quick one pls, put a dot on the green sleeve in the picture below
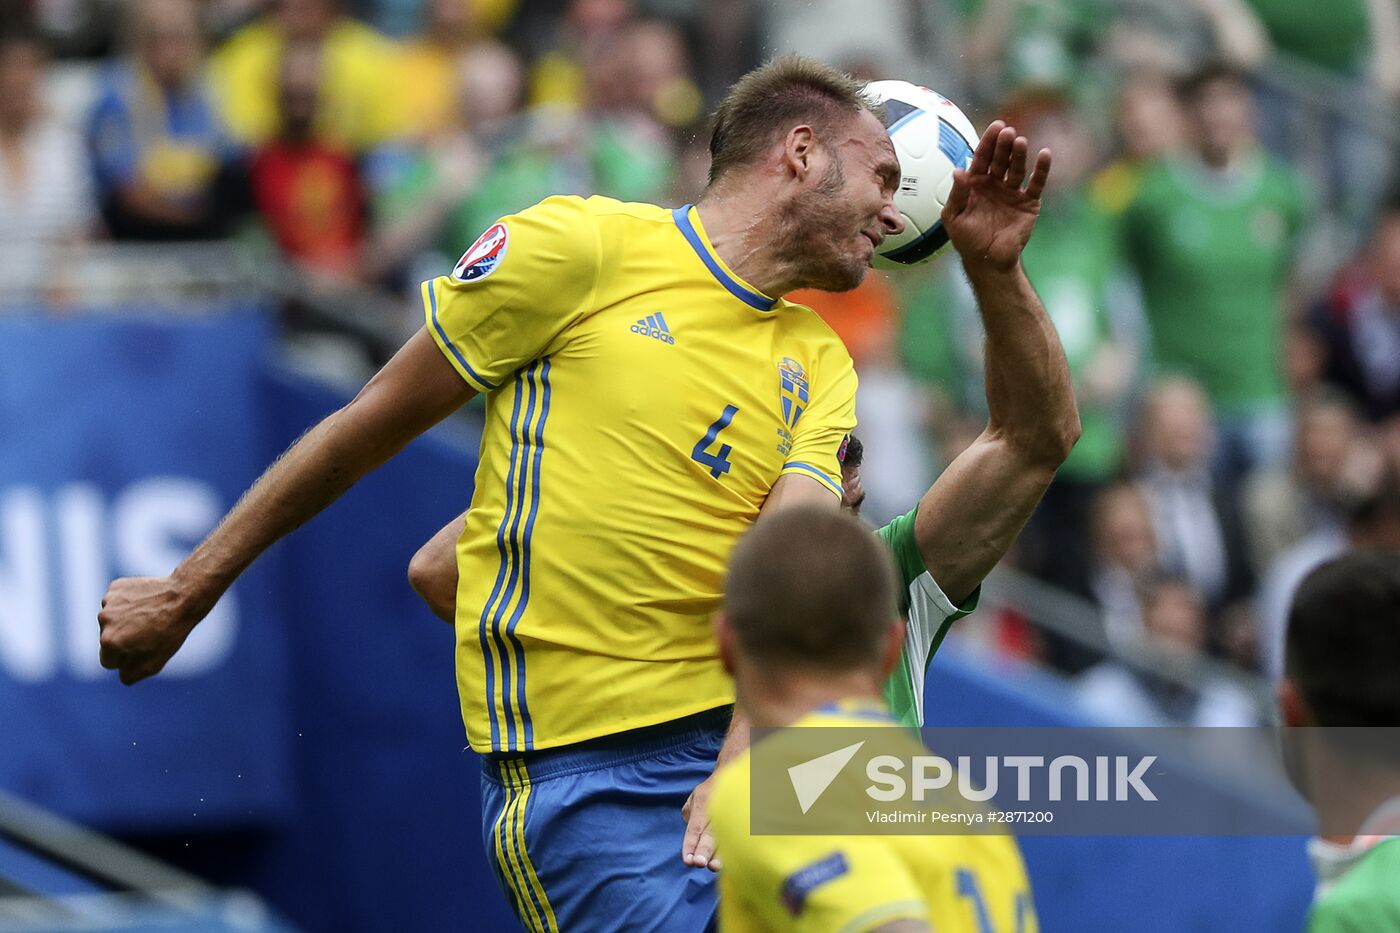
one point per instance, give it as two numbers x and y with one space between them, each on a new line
898 536
929 621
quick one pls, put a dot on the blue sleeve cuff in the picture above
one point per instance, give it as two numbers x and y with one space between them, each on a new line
823 478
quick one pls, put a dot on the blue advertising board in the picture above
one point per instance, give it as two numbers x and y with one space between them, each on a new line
122 442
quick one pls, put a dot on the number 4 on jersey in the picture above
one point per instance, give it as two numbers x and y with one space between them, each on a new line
717 462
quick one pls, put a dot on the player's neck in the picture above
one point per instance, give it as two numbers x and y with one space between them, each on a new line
1349 813
782 700
1349 795
737 229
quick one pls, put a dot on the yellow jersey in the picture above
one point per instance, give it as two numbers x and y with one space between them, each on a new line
641 401
825 884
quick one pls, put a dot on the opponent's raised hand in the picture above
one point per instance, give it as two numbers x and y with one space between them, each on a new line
993 206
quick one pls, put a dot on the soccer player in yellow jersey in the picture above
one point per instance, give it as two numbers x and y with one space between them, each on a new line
815 649
945 545
649 397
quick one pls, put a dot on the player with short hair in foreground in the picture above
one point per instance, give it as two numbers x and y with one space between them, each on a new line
813 650
1342 670
649 397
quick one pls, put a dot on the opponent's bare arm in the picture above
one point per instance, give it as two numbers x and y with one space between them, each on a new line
973 513
144 620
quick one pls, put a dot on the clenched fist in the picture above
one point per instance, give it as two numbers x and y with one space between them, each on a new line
144 621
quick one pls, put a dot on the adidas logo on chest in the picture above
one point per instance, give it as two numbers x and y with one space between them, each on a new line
655 327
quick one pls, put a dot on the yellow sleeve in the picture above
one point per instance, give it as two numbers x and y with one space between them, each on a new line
807 884
828 419
820 884
515 290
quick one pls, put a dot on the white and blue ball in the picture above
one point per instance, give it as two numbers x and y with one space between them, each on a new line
932 137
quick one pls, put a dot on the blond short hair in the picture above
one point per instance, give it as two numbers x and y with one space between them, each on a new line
771 99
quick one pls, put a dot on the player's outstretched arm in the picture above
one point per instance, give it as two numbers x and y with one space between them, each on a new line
973 513
433 570
145 620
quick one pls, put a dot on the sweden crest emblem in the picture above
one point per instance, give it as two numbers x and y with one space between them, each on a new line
793 390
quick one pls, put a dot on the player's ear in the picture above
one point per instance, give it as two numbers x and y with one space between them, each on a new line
724 637
894 645
1292 708
798 150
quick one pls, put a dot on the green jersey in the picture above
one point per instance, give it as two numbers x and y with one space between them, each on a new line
1366 897
1212 251
929 613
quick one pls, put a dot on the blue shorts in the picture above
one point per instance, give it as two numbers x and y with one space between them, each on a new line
588 837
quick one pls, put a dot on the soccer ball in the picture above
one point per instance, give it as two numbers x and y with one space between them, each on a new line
932 137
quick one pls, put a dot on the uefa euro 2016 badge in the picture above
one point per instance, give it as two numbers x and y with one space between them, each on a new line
484 255
793 390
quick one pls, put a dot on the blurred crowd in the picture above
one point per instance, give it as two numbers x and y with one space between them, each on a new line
1219 249
361 158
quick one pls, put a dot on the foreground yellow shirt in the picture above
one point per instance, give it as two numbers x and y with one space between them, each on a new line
641 403
825 884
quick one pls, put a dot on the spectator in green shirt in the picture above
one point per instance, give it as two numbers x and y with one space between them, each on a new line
1212 233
